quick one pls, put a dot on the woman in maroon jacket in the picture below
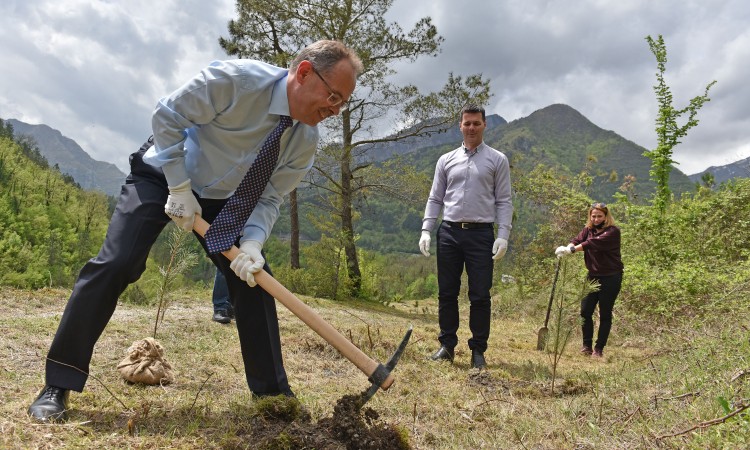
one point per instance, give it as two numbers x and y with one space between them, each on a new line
600 242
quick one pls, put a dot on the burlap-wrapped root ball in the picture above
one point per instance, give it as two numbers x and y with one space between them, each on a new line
145 363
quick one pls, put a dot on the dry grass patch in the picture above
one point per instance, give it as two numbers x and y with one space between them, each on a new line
596 404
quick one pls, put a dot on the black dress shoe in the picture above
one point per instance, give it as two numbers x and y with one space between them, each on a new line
443 354
51 405
221 316
477 360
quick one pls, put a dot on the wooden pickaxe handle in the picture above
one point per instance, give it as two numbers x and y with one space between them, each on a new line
306 314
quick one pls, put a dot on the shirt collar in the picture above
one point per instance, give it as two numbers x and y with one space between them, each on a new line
471 152
279 99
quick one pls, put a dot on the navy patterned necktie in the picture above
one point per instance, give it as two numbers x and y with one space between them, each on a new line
231 219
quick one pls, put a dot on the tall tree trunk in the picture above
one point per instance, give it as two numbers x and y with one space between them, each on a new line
259 32
347 226
293 231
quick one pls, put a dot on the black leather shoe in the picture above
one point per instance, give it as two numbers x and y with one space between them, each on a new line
51 405
477 360
443 354
221 316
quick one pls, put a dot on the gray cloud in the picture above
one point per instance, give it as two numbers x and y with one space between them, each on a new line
593 56
95 69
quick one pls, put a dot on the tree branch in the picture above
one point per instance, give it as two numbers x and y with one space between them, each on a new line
707 423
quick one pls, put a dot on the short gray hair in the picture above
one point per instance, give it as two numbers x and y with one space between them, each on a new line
323 55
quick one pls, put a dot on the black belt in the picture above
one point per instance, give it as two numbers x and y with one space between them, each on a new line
468 225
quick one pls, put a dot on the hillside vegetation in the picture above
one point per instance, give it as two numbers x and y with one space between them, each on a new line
50 226
556 137
675 373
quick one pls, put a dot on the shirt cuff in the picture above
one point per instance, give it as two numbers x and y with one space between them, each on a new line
175 173
428 224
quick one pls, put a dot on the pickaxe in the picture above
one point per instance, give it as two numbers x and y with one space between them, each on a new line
381 376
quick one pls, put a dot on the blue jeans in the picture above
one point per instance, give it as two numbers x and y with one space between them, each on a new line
220 296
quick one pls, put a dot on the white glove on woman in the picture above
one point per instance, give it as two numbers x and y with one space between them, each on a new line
182 205
499 248
424 243
563 251
248 262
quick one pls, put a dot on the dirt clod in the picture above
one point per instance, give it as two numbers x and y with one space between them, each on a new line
351 427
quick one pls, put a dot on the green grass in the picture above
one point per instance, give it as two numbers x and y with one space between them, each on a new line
655 380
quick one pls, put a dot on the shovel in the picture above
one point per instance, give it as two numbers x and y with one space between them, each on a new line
380 375
541 338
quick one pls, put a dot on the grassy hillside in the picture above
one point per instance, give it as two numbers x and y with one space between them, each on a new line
675 373
654 382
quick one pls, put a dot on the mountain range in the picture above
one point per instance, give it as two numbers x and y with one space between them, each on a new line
71 158
737 169
561 137
557 136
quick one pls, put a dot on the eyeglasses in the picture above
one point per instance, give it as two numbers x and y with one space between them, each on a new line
334 99
599 205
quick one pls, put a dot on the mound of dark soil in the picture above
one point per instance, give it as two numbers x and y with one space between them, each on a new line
282 423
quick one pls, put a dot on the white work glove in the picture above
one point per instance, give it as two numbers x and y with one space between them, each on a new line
499 248
248 262
424 243
563 251
182 205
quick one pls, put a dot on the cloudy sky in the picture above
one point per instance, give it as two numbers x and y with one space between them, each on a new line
94 69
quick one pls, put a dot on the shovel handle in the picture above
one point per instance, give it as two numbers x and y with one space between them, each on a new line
552 294
306 314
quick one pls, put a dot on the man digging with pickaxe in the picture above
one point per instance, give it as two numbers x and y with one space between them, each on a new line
226 147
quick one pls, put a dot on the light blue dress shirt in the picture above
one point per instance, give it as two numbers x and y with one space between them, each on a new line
471 187
211 129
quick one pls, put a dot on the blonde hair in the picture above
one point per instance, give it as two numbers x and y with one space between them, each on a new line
608 219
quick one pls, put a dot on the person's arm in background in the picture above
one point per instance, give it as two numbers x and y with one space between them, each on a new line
433 207
503 209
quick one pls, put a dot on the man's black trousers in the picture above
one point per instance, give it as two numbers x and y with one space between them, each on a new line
470 248
136 223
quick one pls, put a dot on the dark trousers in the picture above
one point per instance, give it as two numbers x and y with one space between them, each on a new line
605 298
470 248
136 223
220 293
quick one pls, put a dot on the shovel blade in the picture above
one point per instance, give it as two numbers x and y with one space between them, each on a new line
541 338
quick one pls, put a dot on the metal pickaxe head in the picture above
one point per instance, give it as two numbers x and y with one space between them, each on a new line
382 373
